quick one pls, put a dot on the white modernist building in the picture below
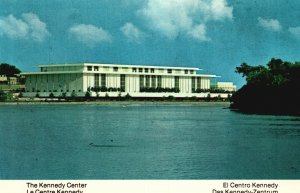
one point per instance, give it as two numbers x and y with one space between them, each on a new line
117 80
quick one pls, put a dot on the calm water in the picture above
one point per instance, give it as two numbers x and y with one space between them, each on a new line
145 142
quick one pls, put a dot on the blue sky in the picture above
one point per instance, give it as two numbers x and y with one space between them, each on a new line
214 35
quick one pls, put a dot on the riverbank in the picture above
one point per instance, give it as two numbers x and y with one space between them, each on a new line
203 103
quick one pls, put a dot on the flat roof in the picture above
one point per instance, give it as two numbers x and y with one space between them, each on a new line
78 72
120 65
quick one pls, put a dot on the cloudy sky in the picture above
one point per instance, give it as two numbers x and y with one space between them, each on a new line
214 35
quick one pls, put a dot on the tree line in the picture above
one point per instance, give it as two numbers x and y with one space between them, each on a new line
270 89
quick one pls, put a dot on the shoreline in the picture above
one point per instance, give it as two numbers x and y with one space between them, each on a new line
198 103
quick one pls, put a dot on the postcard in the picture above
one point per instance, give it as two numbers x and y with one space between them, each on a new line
149 96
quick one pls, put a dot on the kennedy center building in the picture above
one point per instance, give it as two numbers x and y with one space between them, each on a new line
116 80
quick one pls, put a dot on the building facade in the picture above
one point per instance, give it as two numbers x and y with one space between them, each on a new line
3 79
117 80
10 80
225 86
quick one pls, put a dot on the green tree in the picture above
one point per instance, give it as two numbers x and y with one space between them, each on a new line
246 69
87 94
8 70
273 88
127 96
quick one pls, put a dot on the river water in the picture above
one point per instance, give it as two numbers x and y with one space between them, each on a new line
146 142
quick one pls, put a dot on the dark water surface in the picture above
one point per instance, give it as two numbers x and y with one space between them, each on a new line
145 142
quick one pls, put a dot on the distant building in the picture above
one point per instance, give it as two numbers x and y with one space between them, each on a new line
12 80
3 79
12 84
226 86
117 80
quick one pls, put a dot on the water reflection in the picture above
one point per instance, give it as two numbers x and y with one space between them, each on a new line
145 142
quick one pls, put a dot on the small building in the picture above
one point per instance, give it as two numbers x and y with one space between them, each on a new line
12 80
117 80
3 79
225 86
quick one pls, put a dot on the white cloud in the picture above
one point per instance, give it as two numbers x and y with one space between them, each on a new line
38 29
269 24
199 33
132 33
30 27
295 31
89 34
220 9
189 17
